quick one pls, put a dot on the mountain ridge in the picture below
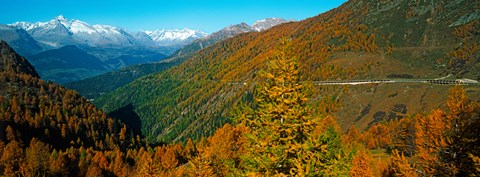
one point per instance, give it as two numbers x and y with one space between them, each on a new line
20 40
268 23
13 62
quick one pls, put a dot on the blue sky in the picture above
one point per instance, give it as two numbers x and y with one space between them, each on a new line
206 15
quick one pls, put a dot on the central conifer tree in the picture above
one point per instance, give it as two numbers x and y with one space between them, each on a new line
285 139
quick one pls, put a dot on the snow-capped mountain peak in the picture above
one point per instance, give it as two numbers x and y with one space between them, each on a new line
234 30
175 36
61 19
265 24
239 28
57 22
181 34
74 26
22 25
61 31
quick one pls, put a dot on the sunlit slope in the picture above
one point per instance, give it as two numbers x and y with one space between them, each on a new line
360 39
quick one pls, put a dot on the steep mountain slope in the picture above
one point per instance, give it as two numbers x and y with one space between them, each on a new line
96 86
13 62
48 130
20 40
35 109
66 64
93 87
360 39
427 40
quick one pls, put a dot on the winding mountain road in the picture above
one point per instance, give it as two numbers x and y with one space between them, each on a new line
427 81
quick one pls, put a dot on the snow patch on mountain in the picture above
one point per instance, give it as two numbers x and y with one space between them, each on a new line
77 26
106 29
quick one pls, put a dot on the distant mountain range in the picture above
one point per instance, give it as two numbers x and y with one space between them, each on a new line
114 47
60 31
94 87
50 44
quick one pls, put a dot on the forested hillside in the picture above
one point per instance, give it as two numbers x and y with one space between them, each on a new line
360 39
66 64
48 130
94 87
197 96
13 62
248 106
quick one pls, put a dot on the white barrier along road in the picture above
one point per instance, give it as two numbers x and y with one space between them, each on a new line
378 81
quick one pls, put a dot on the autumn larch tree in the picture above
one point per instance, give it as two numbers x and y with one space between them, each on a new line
399 166
447 142
361 165
283 139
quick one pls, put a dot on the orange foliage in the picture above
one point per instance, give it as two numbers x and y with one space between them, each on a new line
221 153
169 159
361 165
440 142
430 139
399 166
352 136
378 136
